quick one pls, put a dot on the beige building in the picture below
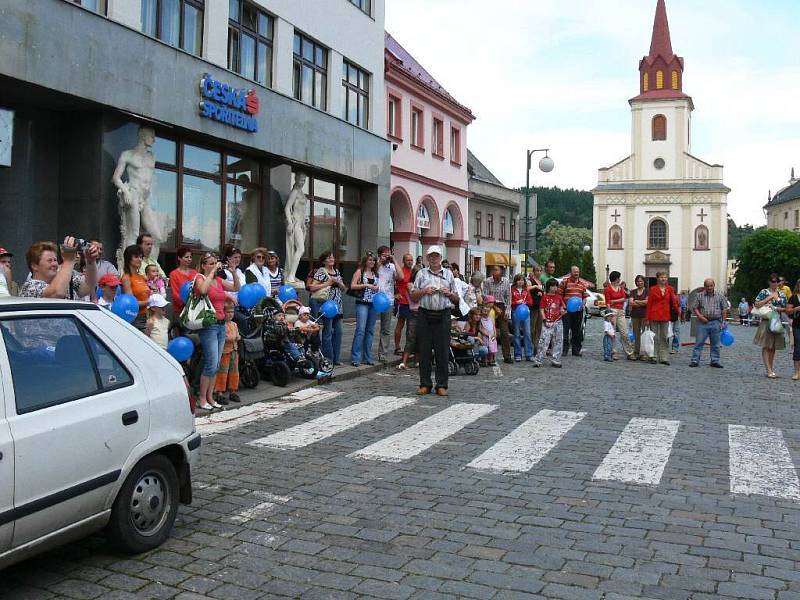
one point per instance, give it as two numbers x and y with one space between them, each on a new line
783 209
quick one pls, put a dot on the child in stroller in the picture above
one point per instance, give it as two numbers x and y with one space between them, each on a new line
463 350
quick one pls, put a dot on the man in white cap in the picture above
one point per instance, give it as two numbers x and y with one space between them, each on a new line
435 290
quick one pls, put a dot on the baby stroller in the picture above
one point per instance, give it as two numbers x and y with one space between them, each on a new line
464 353
283 355
262 355
309 345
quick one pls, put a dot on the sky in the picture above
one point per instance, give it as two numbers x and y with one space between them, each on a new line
558 75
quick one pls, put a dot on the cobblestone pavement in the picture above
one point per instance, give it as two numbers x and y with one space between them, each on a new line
630 481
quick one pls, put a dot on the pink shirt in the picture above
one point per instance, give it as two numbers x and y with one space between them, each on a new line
216 295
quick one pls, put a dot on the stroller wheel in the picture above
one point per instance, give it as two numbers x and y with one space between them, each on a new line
324 365
280 374
248 374
310 369
452 368
471 368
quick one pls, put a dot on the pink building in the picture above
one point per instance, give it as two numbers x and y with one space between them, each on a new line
429 183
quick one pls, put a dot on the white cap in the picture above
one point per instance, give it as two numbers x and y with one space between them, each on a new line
157 300
435 250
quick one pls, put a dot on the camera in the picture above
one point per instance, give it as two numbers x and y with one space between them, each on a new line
81 245
221 272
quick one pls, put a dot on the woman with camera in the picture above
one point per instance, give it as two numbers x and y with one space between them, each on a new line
49 280
209 283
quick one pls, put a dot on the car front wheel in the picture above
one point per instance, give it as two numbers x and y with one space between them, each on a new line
145 508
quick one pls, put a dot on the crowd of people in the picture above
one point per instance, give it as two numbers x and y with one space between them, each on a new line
428 298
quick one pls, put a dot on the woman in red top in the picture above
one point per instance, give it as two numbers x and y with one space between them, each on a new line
661 301
212 337
179 276
616 296
520 294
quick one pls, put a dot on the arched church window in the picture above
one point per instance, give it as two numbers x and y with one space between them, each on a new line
659 79
659 128
657 234
675 82
701 238
646 82
615 238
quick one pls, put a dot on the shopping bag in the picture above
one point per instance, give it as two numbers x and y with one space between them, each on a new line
648 343
670 332
198 313
775 325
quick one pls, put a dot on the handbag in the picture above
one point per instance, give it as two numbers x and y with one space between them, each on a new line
198 313
357 294
648 343
775 324
763 311
322 294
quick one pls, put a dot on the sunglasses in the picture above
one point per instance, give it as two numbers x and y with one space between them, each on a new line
259 256
774 281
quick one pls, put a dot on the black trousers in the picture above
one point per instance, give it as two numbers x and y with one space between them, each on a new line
433 338
573 332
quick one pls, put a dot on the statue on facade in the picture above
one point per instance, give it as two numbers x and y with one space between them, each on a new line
295 212
135 213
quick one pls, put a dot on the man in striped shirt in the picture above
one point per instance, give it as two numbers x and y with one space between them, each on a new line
573 287
435 290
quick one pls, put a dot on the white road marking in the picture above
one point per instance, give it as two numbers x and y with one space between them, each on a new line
521 449
333 423
426 433
216 423
640 453
760 463
518 380
498 372
260 510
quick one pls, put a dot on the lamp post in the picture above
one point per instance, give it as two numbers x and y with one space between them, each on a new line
546 165
511 216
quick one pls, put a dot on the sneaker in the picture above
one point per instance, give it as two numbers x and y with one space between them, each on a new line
355 364
556 365
693 364
223 401
716 365
517 359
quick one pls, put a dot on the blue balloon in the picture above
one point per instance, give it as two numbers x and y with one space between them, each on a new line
329 309
574 304
286 293
181 348
726 338
381 302
126 307
185 290
631 336
251 294
522 312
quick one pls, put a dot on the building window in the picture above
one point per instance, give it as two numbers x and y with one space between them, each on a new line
646 82
502 229
701 238
786 216
310 72
659 128
355 95
675 81
659 80
437 140
478 224
657 235
615 238
490 226
98 6
334 221
250 33
513 228
394 118
364 5
796 219
179 23
417 127
455 145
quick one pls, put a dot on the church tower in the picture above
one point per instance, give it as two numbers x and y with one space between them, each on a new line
662 209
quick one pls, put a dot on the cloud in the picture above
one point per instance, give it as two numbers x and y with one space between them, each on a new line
559 74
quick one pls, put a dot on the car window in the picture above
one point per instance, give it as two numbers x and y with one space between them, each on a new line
50 363
112 373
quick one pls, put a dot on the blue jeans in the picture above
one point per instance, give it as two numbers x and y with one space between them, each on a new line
332 337
676 335
608 347
705 331
292 349
365 331
212 339
521 330
314 306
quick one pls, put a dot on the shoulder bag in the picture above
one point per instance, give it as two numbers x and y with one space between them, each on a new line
322 294
357 294
197 313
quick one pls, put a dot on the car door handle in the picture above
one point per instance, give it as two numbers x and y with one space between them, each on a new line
129 418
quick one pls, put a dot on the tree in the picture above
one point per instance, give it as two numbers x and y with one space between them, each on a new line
736 235
763 252
565 245
570 207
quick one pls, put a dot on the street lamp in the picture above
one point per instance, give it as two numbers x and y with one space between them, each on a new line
546 165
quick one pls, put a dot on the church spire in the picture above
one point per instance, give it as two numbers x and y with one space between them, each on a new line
661 71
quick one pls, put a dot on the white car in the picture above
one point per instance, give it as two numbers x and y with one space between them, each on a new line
96 430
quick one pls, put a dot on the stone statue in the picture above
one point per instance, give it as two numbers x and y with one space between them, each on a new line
295 212
138 165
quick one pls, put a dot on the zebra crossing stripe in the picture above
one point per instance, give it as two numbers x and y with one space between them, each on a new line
521 449
760 463
640 453
421 436
328 425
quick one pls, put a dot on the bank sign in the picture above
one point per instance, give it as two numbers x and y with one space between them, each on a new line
221 102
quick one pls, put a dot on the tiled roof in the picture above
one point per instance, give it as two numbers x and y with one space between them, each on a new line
478 170
410 64
791 192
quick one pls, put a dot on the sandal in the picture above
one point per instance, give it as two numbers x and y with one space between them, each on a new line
402 366
207 407
772 375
